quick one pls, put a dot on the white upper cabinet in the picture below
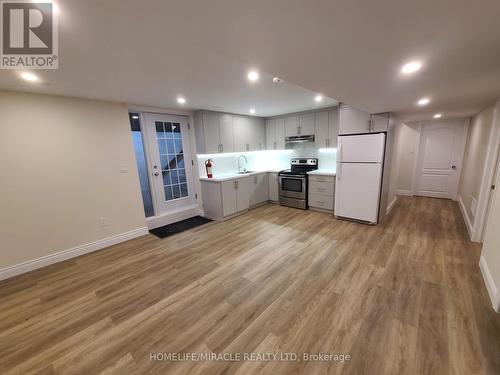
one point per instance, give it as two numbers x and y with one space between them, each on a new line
222 132
210 124
242 129
292 126
275 134
353 121
326 126
333 127
258 134
250 133
279 133
214 133
306 124
321 133
270 135
379 122
226 132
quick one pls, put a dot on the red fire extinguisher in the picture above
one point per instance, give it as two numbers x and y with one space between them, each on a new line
208 166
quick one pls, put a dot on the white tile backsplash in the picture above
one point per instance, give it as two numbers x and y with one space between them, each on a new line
227 163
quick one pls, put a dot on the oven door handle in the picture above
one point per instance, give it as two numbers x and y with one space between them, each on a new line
292 175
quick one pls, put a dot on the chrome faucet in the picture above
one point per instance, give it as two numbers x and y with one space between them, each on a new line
239 166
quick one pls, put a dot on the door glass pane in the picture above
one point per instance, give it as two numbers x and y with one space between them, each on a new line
169 137
140 159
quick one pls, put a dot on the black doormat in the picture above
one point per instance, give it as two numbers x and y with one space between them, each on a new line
180 226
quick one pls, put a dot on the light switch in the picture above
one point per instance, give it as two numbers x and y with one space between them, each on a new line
123 168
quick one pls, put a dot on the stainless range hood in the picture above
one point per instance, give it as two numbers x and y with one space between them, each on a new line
290 142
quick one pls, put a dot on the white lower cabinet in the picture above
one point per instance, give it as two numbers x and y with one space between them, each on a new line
226 198
259 189
321 192
273 186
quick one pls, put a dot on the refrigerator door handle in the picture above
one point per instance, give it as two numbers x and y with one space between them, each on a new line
339 157
339 172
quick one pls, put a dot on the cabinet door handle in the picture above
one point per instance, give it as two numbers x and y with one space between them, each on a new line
236 184
274 145
298 130
247 147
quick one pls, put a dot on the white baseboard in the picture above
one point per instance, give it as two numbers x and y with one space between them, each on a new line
47 260
391 205
404 192
468 223
490 284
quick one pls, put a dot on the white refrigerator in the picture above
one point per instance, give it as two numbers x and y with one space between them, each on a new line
360 162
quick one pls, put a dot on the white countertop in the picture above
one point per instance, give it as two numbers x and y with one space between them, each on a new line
323 172
234 175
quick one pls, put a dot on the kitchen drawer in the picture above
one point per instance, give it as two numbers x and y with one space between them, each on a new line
321 178
321 187
321 201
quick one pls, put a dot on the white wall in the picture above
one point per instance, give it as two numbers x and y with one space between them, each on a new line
60 166
406 149
490 256
473 168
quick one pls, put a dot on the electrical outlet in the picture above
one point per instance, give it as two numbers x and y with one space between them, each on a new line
103 221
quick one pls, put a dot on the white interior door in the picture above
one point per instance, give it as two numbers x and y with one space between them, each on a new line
171 170
440 156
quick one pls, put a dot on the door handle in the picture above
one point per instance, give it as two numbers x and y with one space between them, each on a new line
453 167
156 174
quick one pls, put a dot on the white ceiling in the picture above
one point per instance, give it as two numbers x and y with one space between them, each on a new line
148 52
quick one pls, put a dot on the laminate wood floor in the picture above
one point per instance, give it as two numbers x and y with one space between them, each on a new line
405 297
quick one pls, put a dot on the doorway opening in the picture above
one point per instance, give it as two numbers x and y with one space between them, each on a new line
163 156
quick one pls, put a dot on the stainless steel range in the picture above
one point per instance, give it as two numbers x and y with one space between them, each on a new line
293 182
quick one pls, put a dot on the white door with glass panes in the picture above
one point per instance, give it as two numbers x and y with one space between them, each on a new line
170 163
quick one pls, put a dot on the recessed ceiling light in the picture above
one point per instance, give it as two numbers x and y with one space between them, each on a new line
135 117
411 67
423 101
252 111
277 80
181 100
30 77
318 98
253 76
437 115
